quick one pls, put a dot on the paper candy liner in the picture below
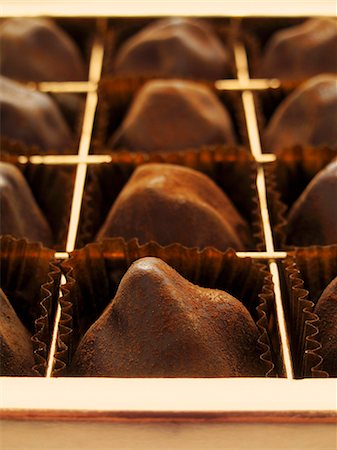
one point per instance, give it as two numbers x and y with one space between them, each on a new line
52 188
115 97
306 273
122 29
233 170
30 278
287 178
296 167
94 272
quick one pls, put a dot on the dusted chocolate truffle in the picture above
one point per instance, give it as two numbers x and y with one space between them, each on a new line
168 203
306 117
16 349
302 51
175 47
168 115
161 325
313 217
32 118
326 309
20 215
38 50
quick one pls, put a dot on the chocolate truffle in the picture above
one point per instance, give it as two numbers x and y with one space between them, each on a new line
168 203
16 349
326 309
35 49
169 115
174 47
306 117
302 51
32 118
20 215
312 219
161 325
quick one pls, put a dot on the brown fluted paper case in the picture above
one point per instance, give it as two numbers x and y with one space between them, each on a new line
30 279
94 272
234 171
307 272
287 178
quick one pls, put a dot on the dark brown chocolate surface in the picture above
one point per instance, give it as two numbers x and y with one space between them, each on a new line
326 309
174 47
169 115
313 217
16 349
161 325
20 215
301 51
168 203
32 118
306 117
36 49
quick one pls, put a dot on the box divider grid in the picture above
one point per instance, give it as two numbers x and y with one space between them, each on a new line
244 84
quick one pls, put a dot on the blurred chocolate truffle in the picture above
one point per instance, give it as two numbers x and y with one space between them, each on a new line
326 309
169 115
174 47
36 49
312 219
161 325
20 215
306 117
302 51
32 118
16 349
168 203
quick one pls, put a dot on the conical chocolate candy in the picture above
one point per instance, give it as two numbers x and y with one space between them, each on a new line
161 325
313 217
168 115
302 51
326 309
32 118
306 117
16 349
35 49
174 47
20 215
168 203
